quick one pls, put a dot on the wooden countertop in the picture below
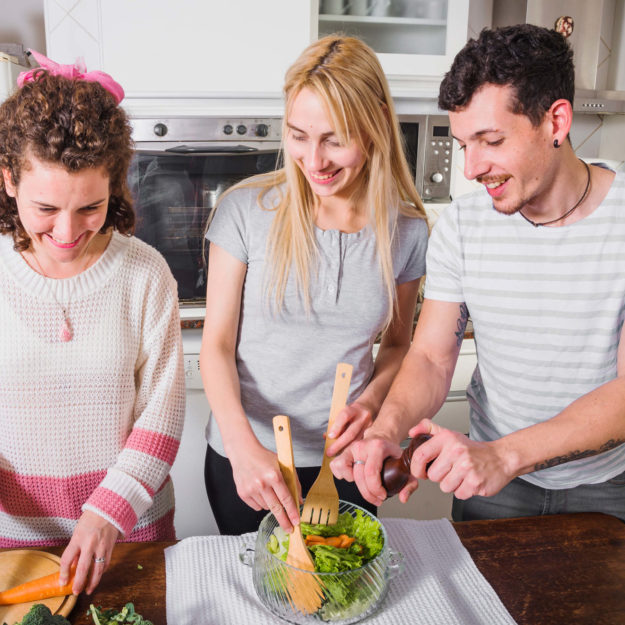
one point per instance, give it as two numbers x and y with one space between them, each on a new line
552 570
198 324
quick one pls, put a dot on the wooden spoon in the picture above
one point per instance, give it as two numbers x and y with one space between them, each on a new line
303 589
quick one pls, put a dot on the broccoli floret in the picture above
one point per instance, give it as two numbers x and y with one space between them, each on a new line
40 614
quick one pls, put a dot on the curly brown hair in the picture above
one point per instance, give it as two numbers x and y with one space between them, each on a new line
74 123
536 62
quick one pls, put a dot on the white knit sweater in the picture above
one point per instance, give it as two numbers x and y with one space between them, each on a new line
93 423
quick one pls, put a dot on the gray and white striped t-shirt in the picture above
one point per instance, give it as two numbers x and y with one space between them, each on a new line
547 306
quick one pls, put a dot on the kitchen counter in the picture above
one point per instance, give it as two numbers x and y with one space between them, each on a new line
194 324
566 568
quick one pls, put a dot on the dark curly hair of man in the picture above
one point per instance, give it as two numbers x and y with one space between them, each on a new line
72 123
535 61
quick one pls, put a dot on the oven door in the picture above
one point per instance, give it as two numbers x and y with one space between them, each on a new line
174 191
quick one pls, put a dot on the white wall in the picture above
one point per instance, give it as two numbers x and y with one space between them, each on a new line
22 22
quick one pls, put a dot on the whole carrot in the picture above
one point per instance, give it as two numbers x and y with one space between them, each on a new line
37 589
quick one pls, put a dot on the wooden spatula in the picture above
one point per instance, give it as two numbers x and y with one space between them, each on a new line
303 589
322 501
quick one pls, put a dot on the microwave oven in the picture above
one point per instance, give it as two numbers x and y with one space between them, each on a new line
182 165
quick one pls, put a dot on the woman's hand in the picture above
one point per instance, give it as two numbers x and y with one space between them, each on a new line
93 539
261 486
349 426
362 463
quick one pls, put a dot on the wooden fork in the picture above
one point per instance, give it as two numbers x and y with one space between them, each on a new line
303 589
322 501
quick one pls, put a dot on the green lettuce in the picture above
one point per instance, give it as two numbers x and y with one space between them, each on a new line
365 529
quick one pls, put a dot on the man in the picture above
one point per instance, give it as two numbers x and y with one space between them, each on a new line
537 259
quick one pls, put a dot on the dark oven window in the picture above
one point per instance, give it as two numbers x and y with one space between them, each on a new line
174 194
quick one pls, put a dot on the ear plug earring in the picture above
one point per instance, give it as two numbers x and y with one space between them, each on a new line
555 143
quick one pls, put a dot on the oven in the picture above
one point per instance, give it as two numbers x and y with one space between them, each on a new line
180 168
182 165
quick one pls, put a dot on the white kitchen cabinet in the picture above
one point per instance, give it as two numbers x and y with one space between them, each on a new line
183 49
416 40
203 49
193 515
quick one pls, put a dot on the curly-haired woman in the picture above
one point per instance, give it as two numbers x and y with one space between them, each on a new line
91 386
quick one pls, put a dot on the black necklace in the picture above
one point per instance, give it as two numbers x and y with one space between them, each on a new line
568 212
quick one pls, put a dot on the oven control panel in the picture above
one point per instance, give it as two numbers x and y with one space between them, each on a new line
206 129
437 155
259 130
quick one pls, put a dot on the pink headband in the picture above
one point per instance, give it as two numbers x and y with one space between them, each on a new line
78 71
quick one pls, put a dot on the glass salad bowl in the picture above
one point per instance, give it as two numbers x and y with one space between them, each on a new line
343 597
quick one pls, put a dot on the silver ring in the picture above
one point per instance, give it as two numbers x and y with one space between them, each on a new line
359 461
99 560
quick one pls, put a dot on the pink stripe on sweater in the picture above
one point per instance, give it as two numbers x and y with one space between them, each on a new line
115 506
40 495
161 529
154 444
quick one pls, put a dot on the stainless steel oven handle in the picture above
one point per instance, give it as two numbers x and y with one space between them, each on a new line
211 149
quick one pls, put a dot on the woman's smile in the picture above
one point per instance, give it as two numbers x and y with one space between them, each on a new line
64 244
325 177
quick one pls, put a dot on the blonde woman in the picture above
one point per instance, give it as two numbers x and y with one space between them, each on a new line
307 266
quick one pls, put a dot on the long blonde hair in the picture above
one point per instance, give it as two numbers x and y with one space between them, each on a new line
346 75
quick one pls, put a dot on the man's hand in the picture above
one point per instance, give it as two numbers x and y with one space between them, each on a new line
460 466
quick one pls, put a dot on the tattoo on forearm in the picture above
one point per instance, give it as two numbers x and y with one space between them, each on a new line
461 323
576 455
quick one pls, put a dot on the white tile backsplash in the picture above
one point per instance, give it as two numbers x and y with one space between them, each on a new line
586 135
613 138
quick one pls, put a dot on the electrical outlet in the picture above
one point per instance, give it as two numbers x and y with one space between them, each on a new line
192 376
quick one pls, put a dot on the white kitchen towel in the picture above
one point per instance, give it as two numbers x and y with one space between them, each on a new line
440 584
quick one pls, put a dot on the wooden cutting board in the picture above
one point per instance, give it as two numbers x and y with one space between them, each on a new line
21 565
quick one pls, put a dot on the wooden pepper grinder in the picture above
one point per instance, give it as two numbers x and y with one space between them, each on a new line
396 471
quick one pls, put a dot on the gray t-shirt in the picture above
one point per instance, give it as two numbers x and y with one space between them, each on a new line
286 361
